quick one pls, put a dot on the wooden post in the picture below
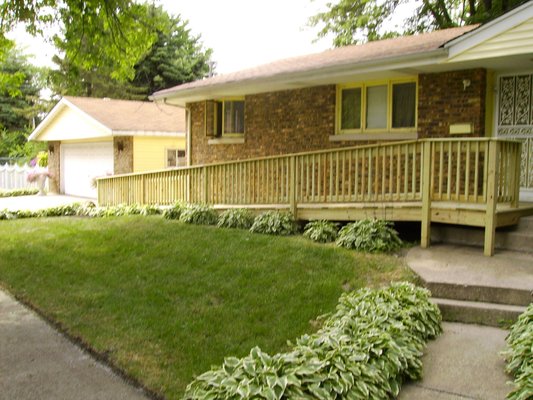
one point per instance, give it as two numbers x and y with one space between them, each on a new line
492 197
143 199
206 185
426 196
516 174
292 186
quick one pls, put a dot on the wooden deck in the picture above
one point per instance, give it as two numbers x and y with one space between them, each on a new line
458 181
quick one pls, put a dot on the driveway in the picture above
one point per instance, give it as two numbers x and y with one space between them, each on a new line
37 202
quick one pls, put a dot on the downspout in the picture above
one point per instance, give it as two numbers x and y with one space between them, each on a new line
188 135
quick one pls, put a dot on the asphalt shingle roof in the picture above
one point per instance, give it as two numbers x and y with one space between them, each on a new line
128 115
348 55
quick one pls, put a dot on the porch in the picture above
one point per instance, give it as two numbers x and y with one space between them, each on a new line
473 182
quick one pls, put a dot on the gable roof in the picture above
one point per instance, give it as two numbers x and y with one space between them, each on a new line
329 61
122 117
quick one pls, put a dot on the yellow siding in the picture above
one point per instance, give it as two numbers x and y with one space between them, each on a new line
518 40
71 125
149 153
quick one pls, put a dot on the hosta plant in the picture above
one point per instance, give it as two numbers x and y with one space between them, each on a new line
321 231
369 235
274 223
199 214
18 192
364 350
519 356
173 212
240 218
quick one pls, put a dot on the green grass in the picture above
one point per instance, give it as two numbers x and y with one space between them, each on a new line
165 300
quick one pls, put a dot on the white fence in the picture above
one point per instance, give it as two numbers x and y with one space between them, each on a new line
15 177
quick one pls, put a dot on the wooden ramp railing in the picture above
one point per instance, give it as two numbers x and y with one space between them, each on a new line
442 180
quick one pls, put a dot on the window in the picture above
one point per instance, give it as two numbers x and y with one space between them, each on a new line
351 109
380 107
376 107
229 118
176 158
403 105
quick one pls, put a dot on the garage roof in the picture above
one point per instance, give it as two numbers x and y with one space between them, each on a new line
121 117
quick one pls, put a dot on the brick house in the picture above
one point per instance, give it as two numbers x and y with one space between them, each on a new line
416 128
470 81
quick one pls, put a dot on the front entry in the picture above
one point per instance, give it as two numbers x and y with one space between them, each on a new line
515 121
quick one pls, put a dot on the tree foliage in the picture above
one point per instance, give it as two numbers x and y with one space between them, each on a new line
356 21
176 56
20 105
93 31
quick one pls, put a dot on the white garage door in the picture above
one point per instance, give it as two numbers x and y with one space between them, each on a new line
81 163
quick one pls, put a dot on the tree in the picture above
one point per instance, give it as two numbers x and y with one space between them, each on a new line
356 21
20 106
94 30
175 57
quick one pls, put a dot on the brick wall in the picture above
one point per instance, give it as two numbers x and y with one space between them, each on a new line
54 167
275 123
443 100
303 119
123 154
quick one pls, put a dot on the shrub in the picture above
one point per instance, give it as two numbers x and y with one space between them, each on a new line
274 223
173 212
519 355
18 192
363 351
321 231
199 214
370 235
240 218
150 209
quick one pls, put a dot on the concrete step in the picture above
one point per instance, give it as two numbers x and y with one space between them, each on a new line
487 294
526 223
519 238
475 312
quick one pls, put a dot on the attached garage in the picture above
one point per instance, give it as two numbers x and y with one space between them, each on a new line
90 138
81 163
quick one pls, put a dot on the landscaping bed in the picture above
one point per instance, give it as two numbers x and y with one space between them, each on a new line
164 300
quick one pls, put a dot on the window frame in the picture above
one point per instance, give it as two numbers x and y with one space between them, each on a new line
364 86
176 150
221 103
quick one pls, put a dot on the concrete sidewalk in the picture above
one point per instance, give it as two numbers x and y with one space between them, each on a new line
37 363
36 202
463 363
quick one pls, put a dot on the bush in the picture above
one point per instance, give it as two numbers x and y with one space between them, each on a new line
18 192
321 231
274 223
199 214
173 212
150 209
240 218
363 351
519 355
370 235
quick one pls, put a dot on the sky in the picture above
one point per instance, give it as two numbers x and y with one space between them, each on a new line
242 33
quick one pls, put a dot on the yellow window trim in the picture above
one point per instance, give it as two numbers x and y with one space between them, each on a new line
363 86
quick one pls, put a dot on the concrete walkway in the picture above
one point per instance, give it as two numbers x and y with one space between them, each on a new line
463 363
37 202
37 363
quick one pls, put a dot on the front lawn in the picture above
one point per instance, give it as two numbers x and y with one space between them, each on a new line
165 300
